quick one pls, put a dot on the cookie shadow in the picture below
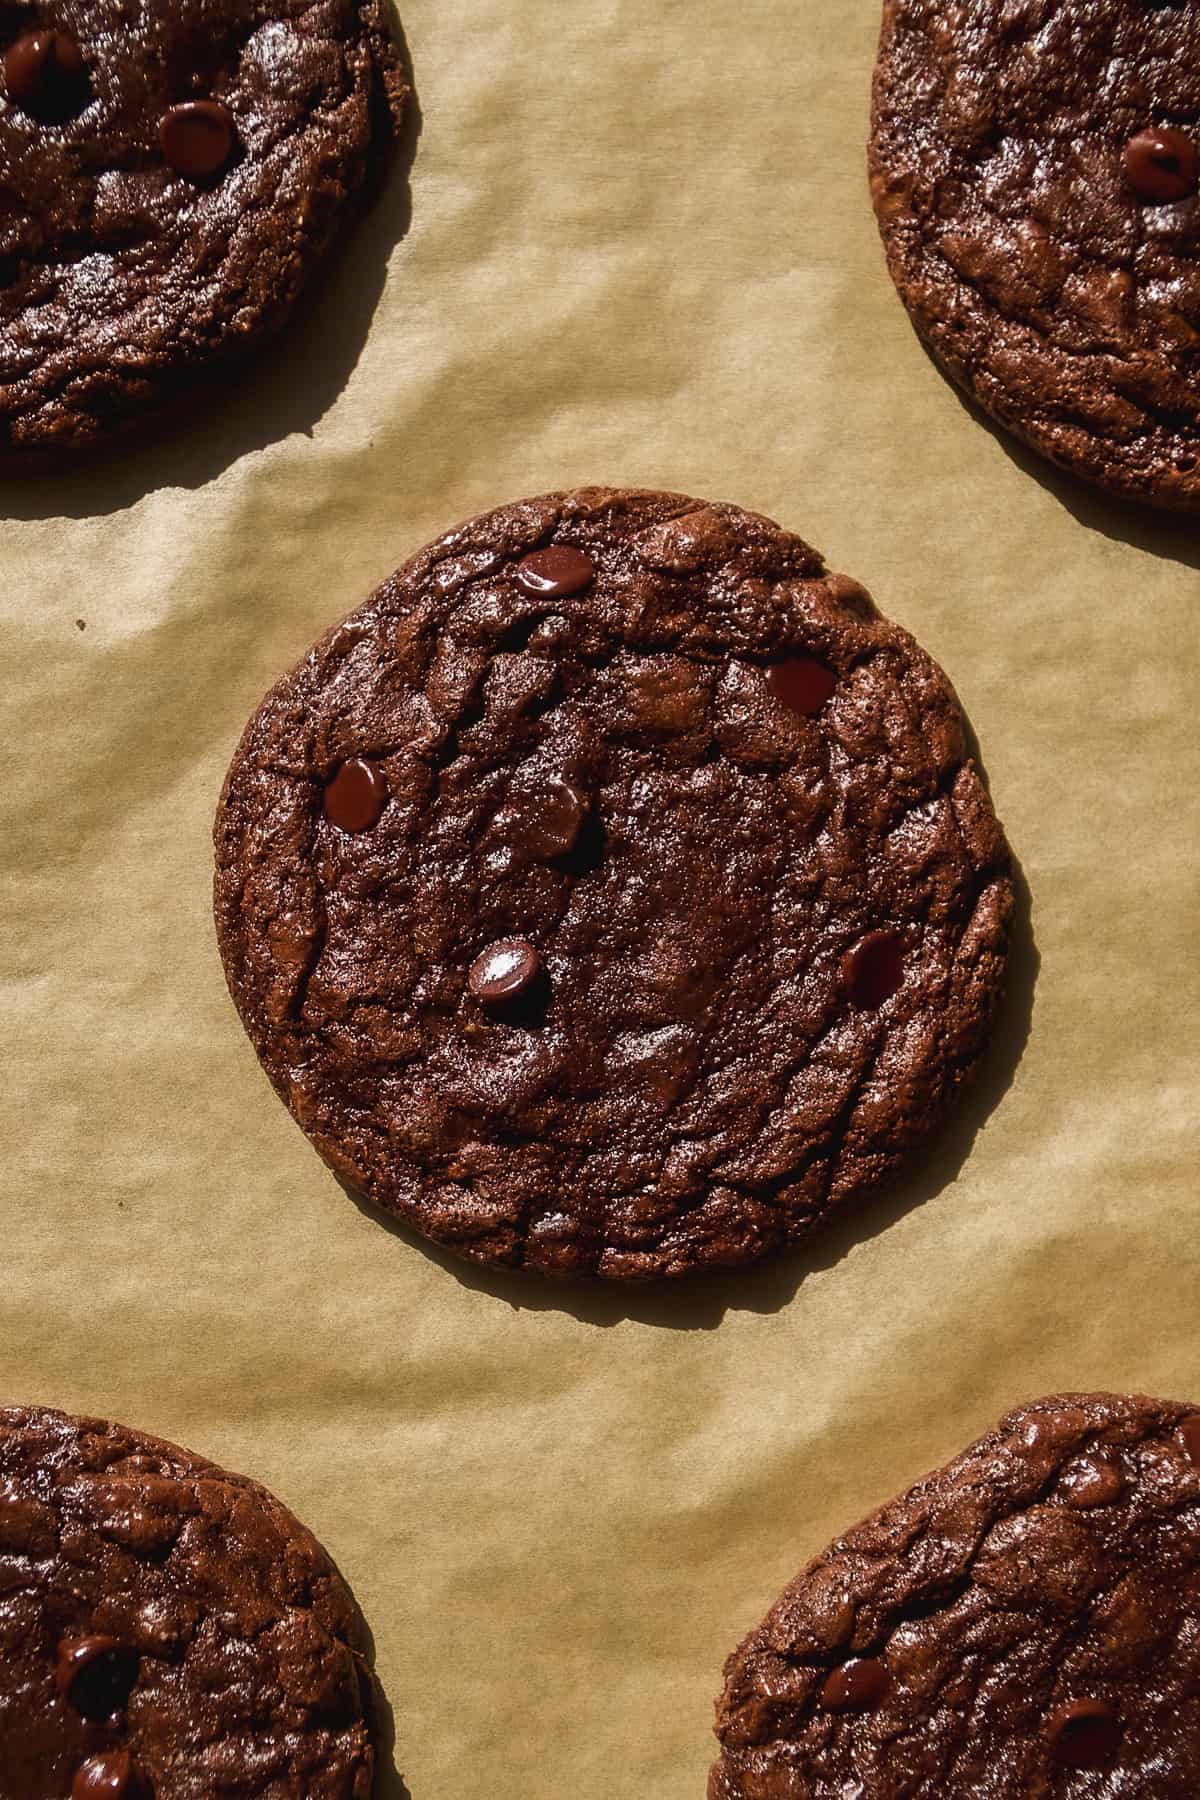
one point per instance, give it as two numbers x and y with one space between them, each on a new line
1166 534
700 1303
285 387
389 1784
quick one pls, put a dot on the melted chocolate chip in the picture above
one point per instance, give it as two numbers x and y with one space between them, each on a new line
1160 164
553 573
356 796
1086 1734
505 970
45 75
874 969
1188 1436
548 820
198 138
1096 1480
802 683
857 1686
96 1674
104 1777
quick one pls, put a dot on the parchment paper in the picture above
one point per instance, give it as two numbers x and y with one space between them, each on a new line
641 251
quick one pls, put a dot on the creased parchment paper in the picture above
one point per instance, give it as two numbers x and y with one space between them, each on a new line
640 251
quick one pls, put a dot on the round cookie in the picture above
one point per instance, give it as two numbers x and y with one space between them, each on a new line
1023 1622
170 175
1034 170
613 893
167 1629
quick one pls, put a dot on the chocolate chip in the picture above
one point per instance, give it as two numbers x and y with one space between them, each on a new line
96 1674
874 969
506 969
356 796
1160 164
1188 1436
802 684
547 821
45 75
1096 1480
104 1777
555 572
1085 1734
857 1686
198 137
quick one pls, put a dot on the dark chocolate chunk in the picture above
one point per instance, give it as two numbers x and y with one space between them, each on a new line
1160 164
555 573
108 1776
547 820
97 1675
874 969
505 969
198 138
856 1686
357 795
1085 1734
802 683
45 75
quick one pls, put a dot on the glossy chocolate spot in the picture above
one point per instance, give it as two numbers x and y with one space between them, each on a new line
505 970
198 138
802 684
1188 1437
874 969
1051 1427
1086 1734
1096 1480
96 1675
857 1686
104 1777
548 820
1160 164
45 75
356 796
553 573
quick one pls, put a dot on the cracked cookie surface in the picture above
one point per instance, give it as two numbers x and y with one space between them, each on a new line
167 1630
1034 171
1025 1621
613 893
170 174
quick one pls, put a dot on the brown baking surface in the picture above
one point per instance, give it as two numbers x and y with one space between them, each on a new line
641 251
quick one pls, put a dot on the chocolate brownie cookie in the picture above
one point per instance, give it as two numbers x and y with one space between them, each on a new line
167 1631
170 174
613 894
1023 1622
1035 172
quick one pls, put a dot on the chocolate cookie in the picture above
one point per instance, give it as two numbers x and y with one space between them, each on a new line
167 1631
1035 172
613 894
170 174
1023 1622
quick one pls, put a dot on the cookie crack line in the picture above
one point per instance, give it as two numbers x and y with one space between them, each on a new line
582 944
